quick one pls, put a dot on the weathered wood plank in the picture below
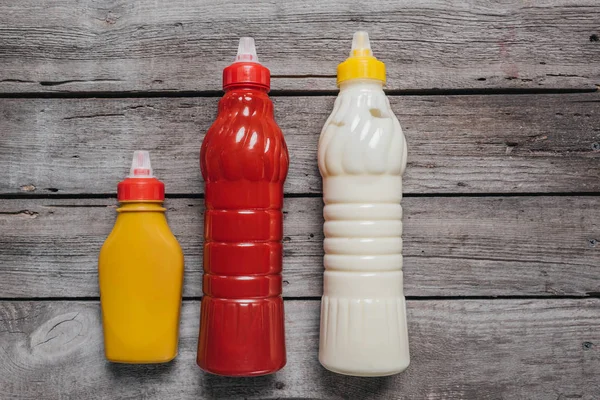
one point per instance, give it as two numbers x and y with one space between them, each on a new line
500 349
118 45
490 246
465 144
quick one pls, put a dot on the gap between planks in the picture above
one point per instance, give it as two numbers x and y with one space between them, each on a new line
292 93
590 295
59 196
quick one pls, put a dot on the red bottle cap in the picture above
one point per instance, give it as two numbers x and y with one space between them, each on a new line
141 185
246 69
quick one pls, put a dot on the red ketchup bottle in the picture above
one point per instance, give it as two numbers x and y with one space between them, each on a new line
244 162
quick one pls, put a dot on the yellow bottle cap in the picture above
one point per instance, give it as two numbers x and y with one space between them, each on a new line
361 64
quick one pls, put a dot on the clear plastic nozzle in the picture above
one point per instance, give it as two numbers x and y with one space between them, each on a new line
246 51
361 46
140 165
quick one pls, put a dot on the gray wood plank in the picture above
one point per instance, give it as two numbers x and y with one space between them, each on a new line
457 144
463 246
477 349
61 46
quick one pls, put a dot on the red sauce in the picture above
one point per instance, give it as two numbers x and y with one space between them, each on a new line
244 162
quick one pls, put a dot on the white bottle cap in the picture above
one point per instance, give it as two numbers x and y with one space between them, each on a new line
140 165
246 51
361 46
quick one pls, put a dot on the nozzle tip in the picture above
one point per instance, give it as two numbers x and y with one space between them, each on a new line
140 165
246 50
361 46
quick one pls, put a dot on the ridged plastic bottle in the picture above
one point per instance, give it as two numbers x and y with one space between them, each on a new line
244 162
362 156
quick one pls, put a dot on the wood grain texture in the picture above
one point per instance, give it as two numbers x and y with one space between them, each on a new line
457 144
123 45
538 245
463 246
503 349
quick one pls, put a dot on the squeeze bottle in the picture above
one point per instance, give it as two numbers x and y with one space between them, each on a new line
362 156
140 271
244 162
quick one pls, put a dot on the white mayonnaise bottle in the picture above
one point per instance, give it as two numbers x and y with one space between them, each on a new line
362 156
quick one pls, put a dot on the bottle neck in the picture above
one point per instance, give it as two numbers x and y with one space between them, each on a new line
361 84
245 87
141 206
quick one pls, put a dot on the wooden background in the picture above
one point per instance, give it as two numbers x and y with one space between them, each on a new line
499 103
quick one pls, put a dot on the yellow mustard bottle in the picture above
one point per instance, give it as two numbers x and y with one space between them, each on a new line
140 270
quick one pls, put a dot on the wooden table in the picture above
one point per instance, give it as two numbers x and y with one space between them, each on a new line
499 105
